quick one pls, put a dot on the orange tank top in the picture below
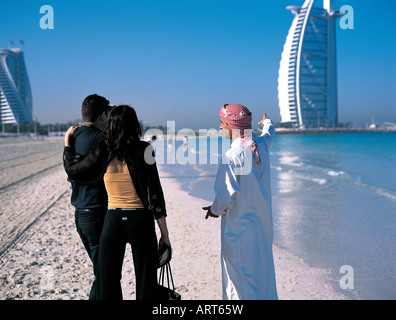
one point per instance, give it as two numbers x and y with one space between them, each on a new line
120 190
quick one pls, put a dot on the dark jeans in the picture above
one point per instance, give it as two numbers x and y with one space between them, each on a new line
138 229
89 223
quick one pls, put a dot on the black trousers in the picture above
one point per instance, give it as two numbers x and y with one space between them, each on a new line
137 228
89 224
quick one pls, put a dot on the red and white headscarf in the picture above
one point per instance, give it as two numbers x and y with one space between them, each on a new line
238 117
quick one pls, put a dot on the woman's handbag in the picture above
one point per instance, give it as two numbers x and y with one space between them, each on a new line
165 292
164 256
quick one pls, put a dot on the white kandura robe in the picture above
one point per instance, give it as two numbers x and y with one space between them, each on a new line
243 200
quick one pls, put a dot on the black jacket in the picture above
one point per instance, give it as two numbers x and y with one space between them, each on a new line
144 175
94 195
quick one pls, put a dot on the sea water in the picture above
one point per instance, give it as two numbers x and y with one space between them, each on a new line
334 204
333 198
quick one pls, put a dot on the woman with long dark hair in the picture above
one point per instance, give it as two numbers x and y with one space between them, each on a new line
135 198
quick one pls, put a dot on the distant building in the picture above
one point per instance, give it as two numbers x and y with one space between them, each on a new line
15 92
307 83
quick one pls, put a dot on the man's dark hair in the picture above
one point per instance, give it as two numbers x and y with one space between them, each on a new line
93 106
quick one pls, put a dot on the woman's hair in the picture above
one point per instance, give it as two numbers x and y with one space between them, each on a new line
122 130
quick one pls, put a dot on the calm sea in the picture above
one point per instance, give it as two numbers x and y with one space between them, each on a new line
334 201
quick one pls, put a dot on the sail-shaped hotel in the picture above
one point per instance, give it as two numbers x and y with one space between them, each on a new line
307 83
15 92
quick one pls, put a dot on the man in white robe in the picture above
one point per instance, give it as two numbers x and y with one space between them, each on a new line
243 200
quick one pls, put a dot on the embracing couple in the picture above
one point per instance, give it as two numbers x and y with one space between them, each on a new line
117 196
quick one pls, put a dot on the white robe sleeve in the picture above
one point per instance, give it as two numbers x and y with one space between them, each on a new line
268 133
226 190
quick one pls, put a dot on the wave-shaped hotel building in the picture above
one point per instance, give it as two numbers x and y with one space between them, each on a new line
15 92
307 83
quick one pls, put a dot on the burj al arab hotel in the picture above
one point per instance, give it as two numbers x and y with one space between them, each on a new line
15 92
307 83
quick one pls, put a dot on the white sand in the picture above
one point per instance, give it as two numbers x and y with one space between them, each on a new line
49 262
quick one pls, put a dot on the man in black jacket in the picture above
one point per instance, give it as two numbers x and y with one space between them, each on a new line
90 199
124 144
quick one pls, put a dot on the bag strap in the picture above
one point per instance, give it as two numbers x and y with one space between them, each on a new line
161 276
170 271
166 268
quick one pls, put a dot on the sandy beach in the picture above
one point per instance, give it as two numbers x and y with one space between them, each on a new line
42 257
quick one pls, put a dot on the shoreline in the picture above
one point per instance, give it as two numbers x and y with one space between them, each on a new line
197 133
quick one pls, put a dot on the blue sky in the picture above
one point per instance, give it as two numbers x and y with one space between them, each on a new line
182 59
